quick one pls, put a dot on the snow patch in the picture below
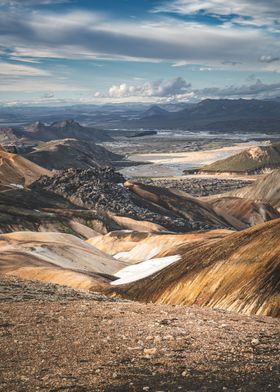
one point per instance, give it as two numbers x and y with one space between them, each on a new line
139 271
126 256
17 186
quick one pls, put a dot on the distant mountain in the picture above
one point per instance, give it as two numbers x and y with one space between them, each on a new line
215 115
253 160
63 130
154 111
67 153
275 99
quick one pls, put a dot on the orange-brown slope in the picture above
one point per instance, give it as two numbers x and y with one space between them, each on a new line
266 189
238 273
31 267
248 212
133 247
16 170
55 257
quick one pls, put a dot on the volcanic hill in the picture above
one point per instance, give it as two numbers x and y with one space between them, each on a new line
72 153
253 160
63 130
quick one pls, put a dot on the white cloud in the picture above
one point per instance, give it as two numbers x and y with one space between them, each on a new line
181 63
258 89
269 59
260 12
31 2
24 59
159 88
20 70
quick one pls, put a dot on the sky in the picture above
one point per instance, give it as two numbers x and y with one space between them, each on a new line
104 51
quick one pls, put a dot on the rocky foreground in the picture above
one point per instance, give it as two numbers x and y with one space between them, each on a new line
56 339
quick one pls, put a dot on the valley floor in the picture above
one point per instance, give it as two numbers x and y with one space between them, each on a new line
55 339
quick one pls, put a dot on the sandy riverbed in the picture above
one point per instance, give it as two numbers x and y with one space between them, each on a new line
173 164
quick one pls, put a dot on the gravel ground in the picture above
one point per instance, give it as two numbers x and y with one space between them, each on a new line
87 345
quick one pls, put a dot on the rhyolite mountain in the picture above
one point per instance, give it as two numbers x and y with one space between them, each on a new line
266 189
239 272
250 161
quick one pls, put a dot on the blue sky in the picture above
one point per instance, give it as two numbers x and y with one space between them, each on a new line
65 51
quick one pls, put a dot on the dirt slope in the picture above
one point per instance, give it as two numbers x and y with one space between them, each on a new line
248 212
14 169
266 189
58 340
238 273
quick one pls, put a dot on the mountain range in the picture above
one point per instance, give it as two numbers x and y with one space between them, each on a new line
61 145
221 115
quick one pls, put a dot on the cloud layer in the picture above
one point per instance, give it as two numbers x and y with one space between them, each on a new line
91 35
159 88
179 89
39 45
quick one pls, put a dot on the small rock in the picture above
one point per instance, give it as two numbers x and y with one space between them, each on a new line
150 351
